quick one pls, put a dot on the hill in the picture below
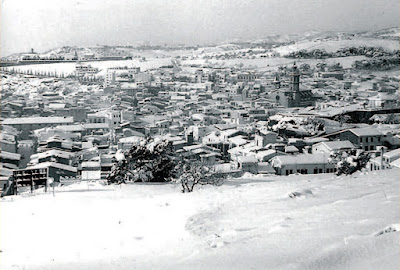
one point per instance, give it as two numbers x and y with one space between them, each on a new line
295 222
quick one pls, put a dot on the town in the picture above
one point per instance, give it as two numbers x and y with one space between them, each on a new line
68 123
213 134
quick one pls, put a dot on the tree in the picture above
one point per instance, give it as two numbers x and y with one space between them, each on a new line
192 173
305 67
147 161
154 161
342 118
348 162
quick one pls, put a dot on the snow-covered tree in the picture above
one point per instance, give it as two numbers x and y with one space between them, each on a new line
348 162
153 160
147 161
192 173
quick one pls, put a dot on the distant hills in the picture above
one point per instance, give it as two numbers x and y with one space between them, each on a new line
388 39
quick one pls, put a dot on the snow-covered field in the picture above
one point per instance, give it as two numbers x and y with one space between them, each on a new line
69 68
328 222
274 62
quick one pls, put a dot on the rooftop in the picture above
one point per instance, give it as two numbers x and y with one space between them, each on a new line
301 159
335 145
54 165
38 120
367 131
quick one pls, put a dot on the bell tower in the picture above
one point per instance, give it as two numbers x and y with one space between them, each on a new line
294 83
277 82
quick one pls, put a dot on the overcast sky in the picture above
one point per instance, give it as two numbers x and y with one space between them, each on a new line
45 24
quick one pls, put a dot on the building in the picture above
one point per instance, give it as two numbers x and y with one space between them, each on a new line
248 164
54 170
383 101
332 146
292 96
91 170
28 124
303 164
53 155
33 177
264 137
85 70
365 138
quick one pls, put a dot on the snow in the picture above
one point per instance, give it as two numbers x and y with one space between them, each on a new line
272 64
269 222
69 68
335 45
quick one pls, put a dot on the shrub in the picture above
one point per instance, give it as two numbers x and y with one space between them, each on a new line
351 161
146 161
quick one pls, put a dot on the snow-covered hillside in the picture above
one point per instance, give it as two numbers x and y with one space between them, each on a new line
296 222
333 45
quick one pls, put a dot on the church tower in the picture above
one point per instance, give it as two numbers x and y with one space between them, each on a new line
277 82
294 85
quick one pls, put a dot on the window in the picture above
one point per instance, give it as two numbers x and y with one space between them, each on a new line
315 170
320 170
366 139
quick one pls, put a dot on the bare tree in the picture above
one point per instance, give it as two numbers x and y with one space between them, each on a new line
192 173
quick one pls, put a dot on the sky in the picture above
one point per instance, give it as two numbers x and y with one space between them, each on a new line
46 24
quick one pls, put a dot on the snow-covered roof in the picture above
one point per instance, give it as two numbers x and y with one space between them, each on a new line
392 154
337 145
367 131
56 106
291 149
267 132
90 164
238 140
96 126
192 147
396 163
131 139
4 171
301 159
225 126
38 120
49 153
8 155
54 165
315 140
247 159
70 128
